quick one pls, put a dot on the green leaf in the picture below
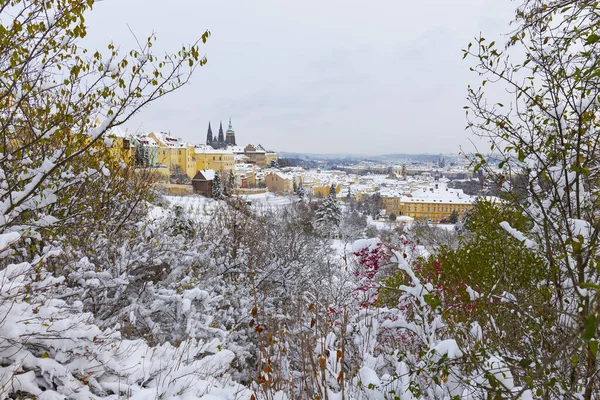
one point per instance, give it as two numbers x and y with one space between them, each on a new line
433 301
593 38
589 285
594 347
45 355
525 363
589 330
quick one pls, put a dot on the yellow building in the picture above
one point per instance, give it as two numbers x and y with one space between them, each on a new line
259 156
279 182
206 157
269 158
175 153
430 204
121 148
323 190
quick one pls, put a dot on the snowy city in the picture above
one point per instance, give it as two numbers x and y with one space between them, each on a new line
333 200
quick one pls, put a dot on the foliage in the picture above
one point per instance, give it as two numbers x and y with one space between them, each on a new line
300 191
548 135
453 218
217 190
67 190
328 213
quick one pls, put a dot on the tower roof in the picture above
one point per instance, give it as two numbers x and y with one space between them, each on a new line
230 127
221 136
209 135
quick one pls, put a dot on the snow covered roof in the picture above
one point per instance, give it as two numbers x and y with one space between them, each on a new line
117 131
170 141
205 149
244 167
235 149
440 194
207 174
282 175
145 140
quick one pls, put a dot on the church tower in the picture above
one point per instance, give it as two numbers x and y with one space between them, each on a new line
221 143
230 139
209 136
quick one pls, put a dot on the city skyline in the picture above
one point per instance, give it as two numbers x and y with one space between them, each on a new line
337 77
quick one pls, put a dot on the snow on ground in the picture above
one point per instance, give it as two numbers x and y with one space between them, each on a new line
389 225
341 248
448 227
263 200
196 207
202 209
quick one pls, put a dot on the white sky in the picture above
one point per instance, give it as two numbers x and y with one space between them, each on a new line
318 76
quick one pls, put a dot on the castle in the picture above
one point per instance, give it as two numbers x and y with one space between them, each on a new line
221 141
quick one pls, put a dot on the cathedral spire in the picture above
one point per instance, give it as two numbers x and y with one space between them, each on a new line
209 136
221 135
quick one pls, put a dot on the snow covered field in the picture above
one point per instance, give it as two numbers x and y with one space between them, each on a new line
200 205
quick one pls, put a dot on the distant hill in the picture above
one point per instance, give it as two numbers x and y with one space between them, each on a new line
360 157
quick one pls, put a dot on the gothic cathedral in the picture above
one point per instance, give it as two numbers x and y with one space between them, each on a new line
221 141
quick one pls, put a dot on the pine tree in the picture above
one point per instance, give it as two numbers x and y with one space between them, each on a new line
300 191
328 214
453 218
230 183
217 191
142 155
332 191
227 183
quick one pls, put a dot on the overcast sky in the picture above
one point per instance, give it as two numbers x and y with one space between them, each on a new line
318 76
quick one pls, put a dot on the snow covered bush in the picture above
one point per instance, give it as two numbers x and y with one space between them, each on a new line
51 349
67 200
547 137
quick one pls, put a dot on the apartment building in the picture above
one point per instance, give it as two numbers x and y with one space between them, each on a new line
428 203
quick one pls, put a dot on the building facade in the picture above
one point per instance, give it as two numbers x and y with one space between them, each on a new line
429 204
278 182
202 182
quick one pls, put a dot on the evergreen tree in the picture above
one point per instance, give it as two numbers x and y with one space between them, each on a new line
328 214
453 218
300 191
228 184
231 180
332 192
217 190
142 155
